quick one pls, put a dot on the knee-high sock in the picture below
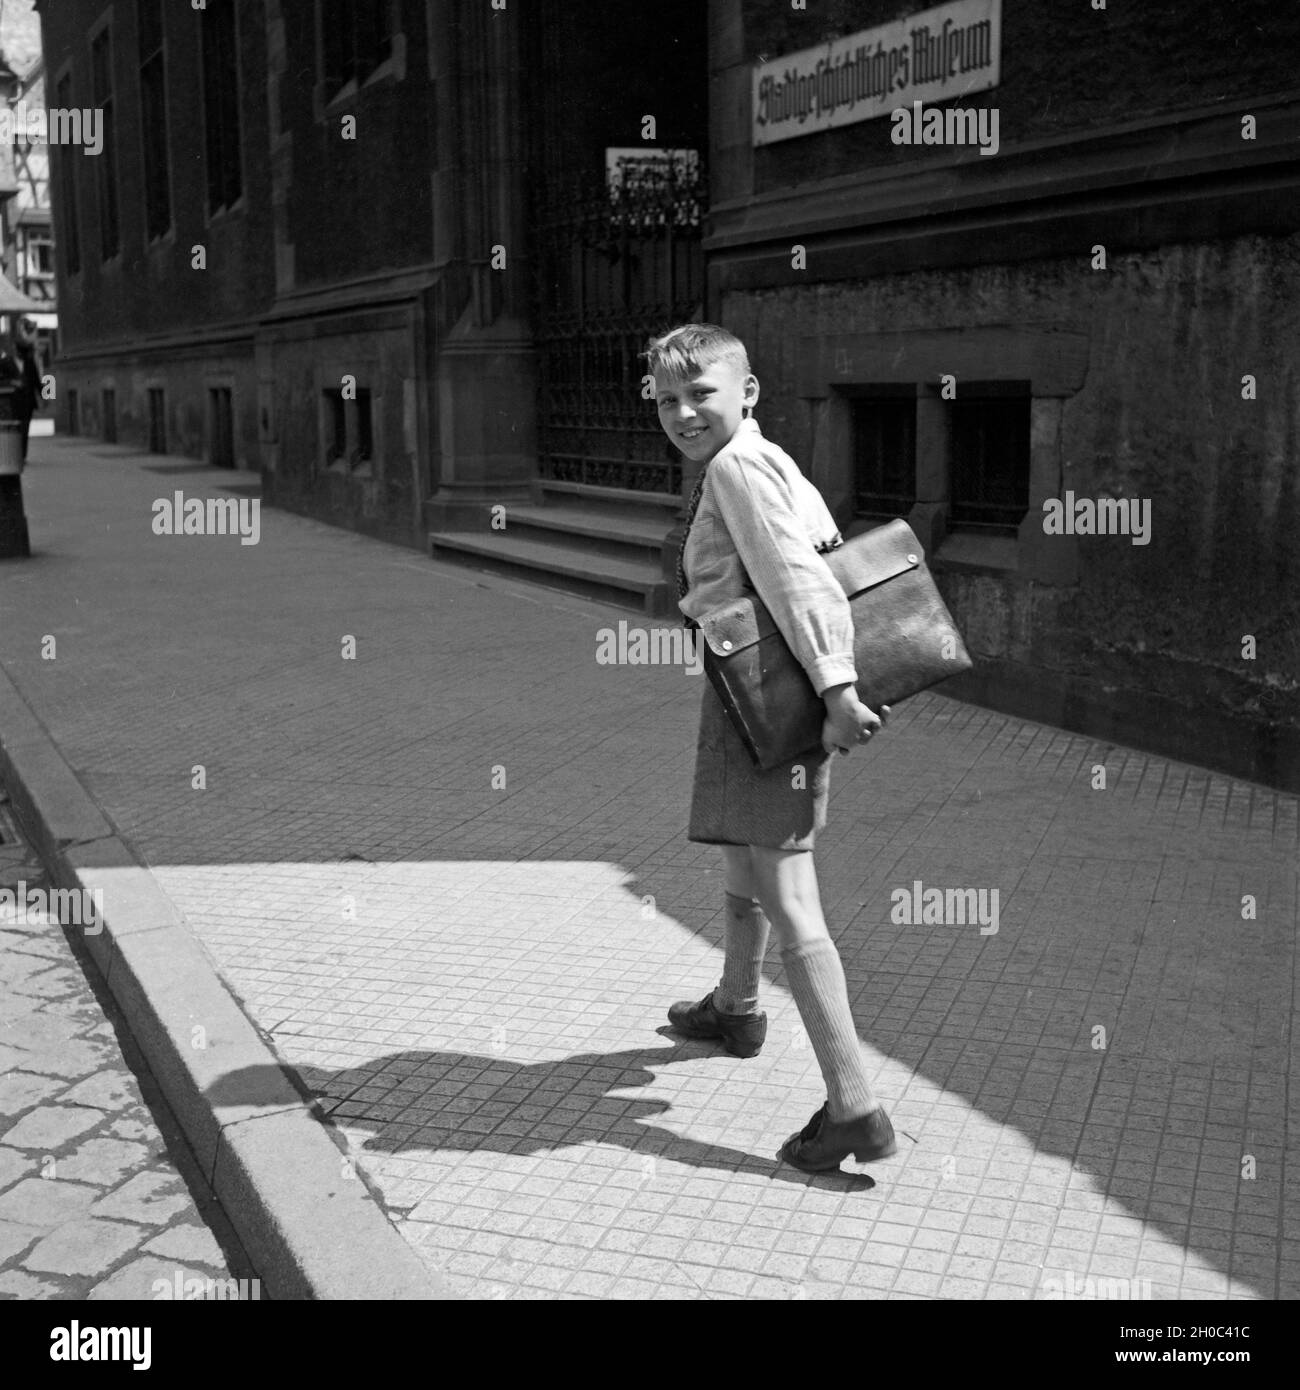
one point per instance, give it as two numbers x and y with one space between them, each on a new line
817 982
742 966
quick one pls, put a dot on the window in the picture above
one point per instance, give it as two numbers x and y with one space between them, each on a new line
68 187
221 427
989 463
347 429
221 104
153 119
336 427
884 450
364 441
101 73
40 255
356 38
149 27
108 412
36 264
157 421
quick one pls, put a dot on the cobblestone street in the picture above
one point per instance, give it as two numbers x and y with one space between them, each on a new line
93 1204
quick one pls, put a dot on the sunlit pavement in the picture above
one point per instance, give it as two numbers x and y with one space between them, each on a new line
450 878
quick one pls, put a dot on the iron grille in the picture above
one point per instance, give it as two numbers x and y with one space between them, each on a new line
990 443
616 264
884 446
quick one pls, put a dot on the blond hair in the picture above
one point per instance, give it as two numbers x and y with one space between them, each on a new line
692 348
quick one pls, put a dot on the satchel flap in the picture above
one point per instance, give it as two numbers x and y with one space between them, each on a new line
875 556
740 624
859 564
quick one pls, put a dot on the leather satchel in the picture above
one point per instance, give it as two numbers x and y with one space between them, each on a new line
904 641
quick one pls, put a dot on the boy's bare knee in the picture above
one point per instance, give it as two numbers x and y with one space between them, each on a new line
783 870
785 884
738 871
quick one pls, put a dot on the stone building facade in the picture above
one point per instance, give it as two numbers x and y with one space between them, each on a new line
164 255
325 244
306 248
1103 314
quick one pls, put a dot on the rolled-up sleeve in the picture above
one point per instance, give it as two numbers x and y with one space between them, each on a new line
791 578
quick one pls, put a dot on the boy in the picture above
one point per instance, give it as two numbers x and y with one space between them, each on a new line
756 525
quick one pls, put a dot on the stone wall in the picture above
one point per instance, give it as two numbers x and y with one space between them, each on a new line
302 359
1147 644
185 372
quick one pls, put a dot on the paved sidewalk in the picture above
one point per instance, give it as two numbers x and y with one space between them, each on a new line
450 879
93 1204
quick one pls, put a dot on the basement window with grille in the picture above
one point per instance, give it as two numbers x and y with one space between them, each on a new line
335 427
365 442
347 430
157 420
221 426
884 450
989 436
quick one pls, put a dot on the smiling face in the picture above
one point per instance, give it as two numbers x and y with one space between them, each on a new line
701 413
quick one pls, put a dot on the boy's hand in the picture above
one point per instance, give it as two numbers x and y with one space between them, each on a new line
848 721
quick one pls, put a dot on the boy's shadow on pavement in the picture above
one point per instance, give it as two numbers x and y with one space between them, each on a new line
461 1101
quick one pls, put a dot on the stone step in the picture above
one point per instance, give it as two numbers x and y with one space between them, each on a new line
619 536
574 568
610 500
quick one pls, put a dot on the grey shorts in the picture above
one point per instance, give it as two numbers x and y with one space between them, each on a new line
733 803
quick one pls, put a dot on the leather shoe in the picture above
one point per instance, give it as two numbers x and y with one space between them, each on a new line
741 1034
823 1144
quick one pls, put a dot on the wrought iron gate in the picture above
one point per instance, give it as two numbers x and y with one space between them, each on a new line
617 262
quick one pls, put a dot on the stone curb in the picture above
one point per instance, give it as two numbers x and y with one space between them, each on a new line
309 1223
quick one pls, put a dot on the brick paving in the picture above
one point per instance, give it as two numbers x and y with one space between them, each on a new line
93 1204
450 879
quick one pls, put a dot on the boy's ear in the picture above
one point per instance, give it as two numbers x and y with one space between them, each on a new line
751 389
